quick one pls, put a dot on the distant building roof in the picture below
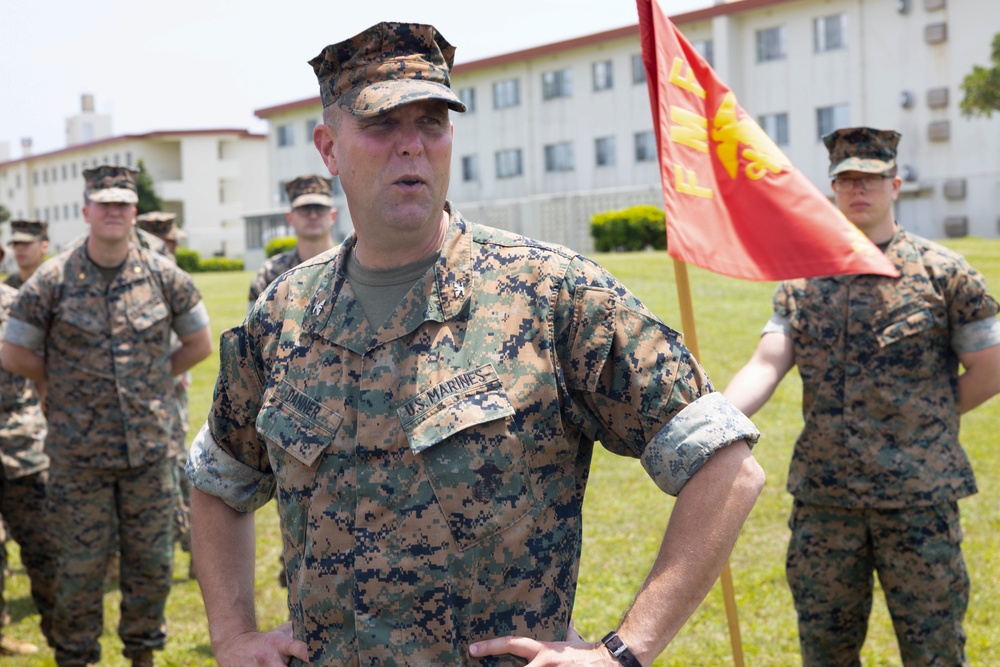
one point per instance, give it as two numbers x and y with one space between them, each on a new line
556 47
134 137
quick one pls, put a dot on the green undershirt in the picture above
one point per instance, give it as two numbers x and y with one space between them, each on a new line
379 291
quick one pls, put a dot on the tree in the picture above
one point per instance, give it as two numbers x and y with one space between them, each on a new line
981 87
149 201
4 214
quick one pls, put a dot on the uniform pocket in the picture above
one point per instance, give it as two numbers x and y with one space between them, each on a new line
86 321
911 325
464 435
297 424
145 315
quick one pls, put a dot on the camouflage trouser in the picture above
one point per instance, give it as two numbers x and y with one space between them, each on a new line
182 509
85 506
917 554
182 503
3 571
22 502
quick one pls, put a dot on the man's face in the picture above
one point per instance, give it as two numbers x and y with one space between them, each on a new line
111 222
394 167
866 199
312 221
29 254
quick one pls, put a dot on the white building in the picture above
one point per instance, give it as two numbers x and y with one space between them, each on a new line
561 131
209 178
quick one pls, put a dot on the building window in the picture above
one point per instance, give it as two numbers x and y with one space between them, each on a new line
17 181
506 93
771 44
509 163
830 32
128 159
46 218
282 195
117 161
604 75
468 97
559 157
34 176
72 169
470 168
776 126
604 151
645 146
65 211
285 135
557 84
310 126
55 213
704 49
76 210
45 175
638 69
335 187
832 118
64 172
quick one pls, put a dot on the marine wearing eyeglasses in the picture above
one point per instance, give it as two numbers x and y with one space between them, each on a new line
877 470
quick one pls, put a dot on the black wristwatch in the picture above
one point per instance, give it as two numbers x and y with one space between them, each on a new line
619 651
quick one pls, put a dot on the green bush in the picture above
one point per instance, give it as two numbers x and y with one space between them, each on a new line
187 259
279 245
191 261
220 264
629 229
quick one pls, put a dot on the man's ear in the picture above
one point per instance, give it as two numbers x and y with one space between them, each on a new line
324 140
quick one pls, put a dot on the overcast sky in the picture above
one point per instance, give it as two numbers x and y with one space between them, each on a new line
196 64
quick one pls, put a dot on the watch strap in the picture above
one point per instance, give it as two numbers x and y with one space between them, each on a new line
619 651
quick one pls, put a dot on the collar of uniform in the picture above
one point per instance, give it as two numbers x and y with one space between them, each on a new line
453 271
84 272
334 313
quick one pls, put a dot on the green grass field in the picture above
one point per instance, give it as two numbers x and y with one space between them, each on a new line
622 530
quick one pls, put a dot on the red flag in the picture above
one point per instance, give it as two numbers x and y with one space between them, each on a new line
734 203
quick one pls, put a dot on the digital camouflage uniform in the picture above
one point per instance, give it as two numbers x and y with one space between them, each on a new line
878 468
25 231
152 230
110 393
302 191
430 474
25 466
13 280
271 269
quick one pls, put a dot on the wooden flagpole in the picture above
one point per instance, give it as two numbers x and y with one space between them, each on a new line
691 342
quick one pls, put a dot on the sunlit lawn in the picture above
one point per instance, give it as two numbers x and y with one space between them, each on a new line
623 528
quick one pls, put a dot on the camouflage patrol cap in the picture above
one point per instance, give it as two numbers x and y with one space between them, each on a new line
161 224
28 231
386 66
861 149
107 185
306 190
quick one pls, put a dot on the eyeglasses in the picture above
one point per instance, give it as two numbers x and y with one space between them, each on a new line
869 182
310 210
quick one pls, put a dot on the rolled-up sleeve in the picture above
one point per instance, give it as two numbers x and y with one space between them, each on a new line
683 446
24 334
228 458
777 324
213 470
191 321
976 336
